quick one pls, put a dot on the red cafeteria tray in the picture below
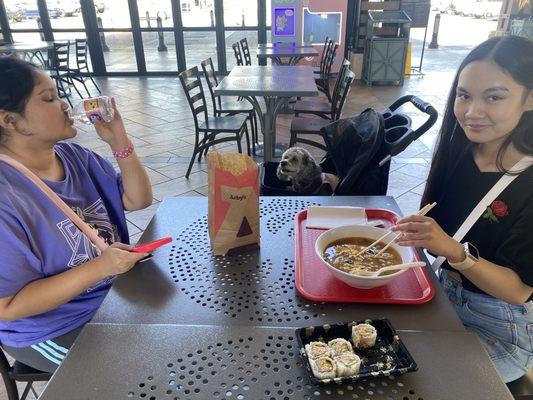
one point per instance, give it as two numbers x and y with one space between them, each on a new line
315 282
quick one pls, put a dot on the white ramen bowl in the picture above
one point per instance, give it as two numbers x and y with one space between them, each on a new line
360 231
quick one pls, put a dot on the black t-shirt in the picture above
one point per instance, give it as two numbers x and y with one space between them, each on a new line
503 234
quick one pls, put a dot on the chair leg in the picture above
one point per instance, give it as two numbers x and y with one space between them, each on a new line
293 139
95 85
26 391
59 84
239 137
255 139
74 86
85 86
247 139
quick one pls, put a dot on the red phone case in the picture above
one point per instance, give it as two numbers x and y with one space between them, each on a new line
151 246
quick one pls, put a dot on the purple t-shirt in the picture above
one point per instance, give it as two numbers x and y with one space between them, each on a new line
37 240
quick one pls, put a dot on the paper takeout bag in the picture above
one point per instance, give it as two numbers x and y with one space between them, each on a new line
233 199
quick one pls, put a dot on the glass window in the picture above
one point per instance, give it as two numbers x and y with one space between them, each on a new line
150 10
236 36
71 36
156 59
198 12
69 14
27 37
121 54
240 12
268 13
199 46
113 14
23 14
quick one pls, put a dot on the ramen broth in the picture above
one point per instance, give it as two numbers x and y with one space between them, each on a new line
341 254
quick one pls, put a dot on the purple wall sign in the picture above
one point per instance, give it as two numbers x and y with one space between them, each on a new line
284 21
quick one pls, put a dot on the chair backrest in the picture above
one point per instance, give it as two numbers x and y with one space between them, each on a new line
212 82
81 54
246 52
330 58
60 57
237 52
335 97
325 52
10 384
190 80
344 90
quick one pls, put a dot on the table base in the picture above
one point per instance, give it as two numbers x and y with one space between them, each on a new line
279 149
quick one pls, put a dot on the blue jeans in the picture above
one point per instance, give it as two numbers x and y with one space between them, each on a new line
505 330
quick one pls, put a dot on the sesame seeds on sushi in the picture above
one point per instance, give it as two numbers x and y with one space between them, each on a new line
364 336
348 364
315 350
339 346
323 368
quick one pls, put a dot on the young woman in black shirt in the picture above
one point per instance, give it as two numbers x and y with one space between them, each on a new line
487 129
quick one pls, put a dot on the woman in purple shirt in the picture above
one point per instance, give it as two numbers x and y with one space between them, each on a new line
52 278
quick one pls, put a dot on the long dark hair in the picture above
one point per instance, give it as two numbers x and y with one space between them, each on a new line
512 54
17 80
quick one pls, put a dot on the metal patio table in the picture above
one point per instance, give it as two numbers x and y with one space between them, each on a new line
276 85
293 53
30 50
188 325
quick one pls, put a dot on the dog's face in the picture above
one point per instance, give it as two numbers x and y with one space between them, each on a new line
292 161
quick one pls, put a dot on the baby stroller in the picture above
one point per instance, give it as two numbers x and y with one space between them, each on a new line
359 150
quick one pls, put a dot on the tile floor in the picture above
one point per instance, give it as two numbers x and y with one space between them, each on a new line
158 120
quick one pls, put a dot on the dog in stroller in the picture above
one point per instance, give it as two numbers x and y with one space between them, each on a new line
300 168
359 150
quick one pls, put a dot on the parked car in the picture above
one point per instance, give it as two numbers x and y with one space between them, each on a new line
30 10
479 8
14 14
68 7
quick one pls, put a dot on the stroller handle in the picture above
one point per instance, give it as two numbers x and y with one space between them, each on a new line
401 143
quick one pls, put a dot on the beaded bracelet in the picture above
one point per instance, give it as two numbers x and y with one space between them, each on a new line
125 153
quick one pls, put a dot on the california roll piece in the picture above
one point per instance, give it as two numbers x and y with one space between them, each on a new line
317 349
339 346
323 368
364 336
348 364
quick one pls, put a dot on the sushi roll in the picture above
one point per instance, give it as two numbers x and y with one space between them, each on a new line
348 364
315 350
364 336
323 368
339 346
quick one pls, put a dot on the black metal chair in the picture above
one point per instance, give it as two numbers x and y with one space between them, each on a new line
320 107
18 372
246 51
60 70
228 107
82 73
327 44
212 127
302 126
322 80
237 52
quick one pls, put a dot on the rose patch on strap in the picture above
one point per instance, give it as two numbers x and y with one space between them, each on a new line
498 209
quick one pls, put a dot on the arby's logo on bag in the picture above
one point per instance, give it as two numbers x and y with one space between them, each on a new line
240 197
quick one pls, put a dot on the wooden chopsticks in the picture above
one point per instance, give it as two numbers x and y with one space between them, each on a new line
423 211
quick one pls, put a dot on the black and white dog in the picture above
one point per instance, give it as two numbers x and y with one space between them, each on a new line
300 168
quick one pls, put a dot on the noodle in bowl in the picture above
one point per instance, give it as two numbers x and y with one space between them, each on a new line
326 239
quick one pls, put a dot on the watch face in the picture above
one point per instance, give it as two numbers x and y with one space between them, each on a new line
472 250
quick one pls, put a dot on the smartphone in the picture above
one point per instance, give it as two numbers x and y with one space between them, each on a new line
150 246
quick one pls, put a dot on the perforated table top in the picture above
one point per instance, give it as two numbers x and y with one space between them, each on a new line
186 284
164 362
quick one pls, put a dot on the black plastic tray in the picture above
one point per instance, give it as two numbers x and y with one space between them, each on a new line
388 357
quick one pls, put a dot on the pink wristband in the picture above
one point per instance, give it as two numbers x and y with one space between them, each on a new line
124 153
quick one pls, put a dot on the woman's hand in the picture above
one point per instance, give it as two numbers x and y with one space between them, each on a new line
114 132
420 231
118 258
